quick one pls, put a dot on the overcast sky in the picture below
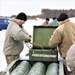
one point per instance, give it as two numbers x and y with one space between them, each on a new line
32 7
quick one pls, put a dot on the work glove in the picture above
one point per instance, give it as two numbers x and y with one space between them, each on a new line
30 36
28 41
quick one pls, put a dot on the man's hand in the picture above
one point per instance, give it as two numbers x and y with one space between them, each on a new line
28 41
30 36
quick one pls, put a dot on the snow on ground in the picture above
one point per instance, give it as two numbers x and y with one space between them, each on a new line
29 28
3 63
2 57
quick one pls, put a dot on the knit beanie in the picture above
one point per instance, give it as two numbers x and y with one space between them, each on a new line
47 19
62 17
21 16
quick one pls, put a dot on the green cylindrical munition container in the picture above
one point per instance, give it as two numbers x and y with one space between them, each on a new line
37 69
52 69
22 69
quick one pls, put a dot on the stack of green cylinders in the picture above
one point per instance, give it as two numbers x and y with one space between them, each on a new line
52 69
22 69
37 69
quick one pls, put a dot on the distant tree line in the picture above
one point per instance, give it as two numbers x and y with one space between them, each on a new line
51 13
55 13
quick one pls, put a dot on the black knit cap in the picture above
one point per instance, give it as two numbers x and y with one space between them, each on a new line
47 19
21 16
62 17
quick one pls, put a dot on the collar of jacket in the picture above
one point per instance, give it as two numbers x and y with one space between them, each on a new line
17 23
67 20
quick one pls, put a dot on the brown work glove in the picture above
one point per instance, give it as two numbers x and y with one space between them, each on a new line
30 36
28 40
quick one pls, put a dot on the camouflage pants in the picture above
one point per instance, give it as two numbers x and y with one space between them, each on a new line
9 59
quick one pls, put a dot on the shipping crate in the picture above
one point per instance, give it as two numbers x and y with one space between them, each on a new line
41 50
43 55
